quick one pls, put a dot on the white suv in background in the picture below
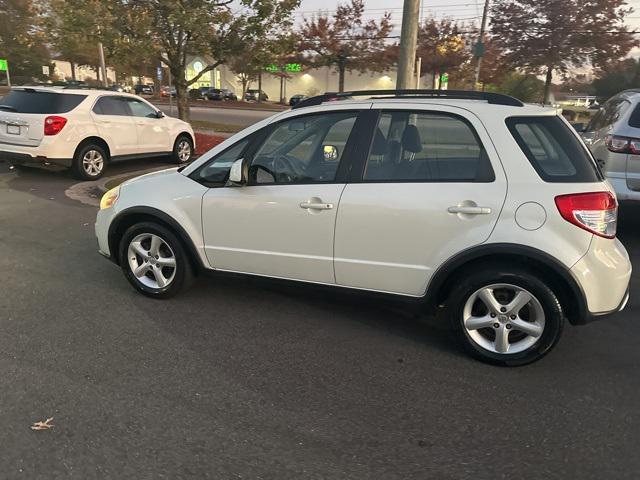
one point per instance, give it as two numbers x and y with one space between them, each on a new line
613 136
86 129
471 203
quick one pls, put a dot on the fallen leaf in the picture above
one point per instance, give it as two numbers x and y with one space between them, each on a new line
42 425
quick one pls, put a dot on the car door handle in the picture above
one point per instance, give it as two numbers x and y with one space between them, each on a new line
316 206
470 210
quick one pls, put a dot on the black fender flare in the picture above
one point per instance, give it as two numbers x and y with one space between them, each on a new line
577 313
116 230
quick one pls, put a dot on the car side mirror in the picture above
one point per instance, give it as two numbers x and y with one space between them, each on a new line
160 114
236 178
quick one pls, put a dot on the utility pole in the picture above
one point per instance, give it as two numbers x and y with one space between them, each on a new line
408 40
480 45
102 65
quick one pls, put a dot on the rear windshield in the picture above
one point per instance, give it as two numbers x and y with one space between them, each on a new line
33 101
553 150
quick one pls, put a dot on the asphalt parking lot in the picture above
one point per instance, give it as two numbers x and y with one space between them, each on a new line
245 378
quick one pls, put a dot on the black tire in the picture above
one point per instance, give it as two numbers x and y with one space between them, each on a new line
78 167
533 283
180 141
182 273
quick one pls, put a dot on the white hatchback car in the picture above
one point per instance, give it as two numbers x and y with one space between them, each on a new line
476 205
86 129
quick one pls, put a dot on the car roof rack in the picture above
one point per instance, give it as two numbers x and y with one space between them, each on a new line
489 97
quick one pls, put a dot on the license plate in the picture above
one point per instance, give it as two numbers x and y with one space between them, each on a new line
13 129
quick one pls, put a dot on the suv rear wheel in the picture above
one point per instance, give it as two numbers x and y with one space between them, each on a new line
89 162
505 316
154 260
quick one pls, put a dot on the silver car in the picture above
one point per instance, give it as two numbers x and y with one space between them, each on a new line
613 136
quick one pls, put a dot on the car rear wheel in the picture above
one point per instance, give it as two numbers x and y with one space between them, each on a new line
154 260
182 150
89 162
505 316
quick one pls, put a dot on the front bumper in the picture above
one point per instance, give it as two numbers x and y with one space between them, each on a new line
103 221
17 158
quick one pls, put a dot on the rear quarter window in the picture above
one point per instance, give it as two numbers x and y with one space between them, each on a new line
553 150
34 101
634 118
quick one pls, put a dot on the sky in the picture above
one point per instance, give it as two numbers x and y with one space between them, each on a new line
461 10
464 11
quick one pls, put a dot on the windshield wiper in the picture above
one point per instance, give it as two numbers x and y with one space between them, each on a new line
8 107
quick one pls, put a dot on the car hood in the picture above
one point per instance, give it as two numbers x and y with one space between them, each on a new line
151 176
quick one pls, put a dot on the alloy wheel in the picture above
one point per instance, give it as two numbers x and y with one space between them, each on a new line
93 163
503 318
184 150
152 261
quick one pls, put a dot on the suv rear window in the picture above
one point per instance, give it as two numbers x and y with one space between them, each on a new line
33 101
553 150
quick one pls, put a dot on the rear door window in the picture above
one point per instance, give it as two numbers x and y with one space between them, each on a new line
553 150
111 105
426 147
34 101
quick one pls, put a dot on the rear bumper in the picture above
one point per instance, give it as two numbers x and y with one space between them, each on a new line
592 317
17 158
603 274
623 192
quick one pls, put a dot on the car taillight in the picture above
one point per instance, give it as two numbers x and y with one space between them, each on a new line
53 124
618 144
595 212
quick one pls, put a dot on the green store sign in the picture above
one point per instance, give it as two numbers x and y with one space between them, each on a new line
288 67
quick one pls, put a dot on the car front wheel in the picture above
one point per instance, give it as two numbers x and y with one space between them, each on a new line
505 316
182 150
154 260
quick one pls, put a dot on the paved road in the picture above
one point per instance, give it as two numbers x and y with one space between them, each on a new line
244 378
230 116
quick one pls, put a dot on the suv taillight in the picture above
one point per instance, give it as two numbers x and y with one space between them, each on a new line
53 124
618 144
595 212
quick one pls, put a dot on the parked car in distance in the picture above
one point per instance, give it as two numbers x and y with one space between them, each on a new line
116 88
613 136
198 93
85 130
295 99
220 94
470 204
168 91
253 94
140 89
